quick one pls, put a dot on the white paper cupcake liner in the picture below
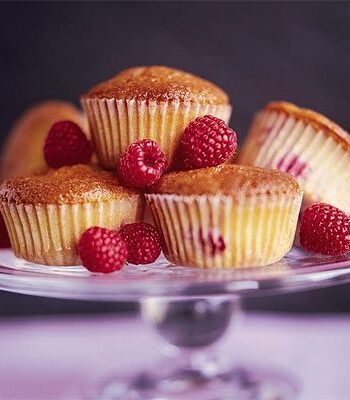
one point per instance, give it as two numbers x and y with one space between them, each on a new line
320 164
115 124
225 232
49 234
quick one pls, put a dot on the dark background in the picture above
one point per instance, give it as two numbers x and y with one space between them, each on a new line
257 51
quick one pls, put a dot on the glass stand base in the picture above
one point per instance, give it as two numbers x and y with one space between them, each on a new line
235 384
192 366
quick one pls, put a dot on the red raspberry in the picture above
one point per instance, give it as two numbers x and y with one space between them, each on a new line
207 142
4 237
142 164
66 144
102 250
143 242
325 229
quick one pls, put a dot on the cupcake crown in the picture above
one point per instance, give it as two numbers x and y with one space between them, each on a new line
317 120
159 83
67 185
228 180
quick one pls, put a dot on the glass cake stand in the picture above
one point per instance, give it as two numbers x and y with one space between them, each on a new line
191 310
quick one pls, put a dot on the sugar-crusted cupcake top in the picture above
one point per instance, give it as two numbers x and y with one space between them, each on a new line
159 83
318 121
228 180
66 185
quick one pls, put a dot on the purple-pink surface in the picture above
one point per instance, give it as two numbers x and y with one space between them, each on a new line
54 358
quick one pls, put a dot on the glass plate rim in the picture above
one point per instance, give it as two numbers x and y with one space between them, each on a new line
77 283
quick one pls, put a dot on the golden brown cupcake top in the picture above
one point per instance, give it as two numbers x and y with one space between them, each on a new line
66 185
318 121
159 83
227 180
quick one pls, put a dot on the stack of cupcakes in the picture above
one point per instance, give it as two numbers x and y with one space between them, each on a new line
161 138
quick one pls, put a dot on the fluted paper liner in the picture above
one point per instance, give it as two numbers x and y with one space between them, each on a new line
49 234
115 124
225 232
319 163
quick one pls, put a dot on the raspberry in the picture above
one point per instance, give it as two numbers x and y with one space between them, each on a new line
207 142
143 242
66 144
142 164
102 250
325 229
4 237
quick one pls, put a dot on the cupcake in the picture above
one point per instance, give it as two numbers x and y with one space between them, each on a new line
227 216
23 151
46 214
305 144
148 102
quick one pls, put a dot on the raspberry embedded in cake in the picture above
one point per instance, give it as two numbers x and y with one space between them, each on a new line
211 241
292 164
